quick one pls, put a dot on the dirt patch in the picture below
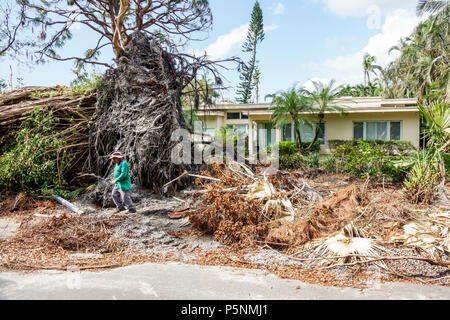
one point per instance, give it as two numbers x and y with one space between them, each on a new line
8 228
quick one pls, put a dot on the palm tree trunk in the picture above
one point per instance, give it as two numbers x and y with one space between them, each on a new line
316 135
298 137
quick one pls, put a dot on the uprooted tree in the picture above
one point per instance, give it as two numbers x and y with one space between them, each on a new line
138 102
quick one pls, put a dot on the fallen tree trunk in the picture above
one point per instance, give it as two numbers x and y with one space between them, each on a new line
73 110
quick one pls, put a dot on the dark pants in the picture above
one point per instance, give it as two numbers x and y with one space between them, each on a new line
117 195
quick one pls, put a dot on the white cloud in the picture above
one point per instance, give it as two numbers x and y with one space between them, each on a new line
227 42
279 9
348 69
271 27
308 85
360 8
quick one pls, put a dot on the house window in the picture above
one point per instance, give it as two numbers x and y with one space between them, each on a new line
307 133
240 129
209 130
377 130
287 132
236 116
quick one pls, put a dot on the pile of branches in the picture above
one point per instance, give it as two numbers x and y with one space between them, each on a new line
79 234
237 205
59 235
51 240
74 111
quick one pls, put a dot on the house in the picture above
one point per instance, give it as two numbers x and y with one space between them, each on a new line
364 119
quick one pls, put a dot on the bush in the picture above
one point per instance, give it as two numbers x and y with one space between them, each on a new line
361 158
446 158
35 160
314 148
330 164
396 168
288 148
390 147
313 160
293 161
424 175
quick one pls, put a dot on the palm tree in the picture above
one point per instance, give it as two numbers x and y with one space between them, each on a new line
422 69
369 66
288 106
323 96
437 116
431 6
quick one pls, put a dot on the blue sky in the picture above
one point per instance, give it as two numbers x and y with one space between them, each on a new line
305 39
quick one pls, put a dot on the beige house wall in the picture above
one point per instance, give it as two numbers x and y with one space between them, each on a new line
336 126
211 121
341 127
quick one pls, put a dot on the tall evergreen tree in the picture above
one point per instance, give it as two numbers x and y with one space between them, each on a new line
254 37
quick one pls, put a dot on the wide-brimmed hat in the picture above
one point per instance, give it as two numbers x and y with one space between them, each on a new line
116 155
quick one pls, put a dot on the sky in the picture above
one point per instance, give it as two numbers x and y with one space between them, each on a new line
305 39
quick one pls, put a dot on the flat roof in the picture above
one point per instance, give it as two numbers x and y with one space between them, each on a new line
349 104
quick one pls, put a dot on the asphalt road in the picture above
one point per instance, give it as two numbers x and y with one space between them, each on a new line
180 281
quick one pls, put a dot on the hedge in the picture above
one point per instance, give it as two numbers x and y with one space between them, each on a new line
390 147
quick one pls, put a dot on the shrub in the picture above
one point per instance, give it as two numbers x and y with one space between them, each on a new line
446 159
361 159
228 137
35 159
330 164
314 148
390 147
293 161
396 168
424 175
288 148
313 160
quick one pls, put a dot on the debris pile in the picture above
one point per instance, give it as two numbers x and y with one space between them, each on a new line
359 224
45 237
238 205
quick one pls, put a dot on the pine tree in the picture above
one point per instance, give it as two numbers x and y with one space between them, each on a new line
254 37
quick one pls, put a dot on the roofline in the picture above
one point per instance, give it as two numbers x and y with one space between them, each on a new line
349 104
404 102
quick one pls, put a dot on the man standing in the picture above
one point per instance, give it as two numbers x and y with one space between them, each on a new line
122 184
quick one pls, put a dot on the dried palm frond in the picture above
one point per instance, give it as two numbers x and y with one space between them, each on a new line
280 210
349 245
427 236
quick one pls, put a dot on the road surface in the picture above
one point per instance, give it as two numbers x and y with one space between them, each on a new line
181 281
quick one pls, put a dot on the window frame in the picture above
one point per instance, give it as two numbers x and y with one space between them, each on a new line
322 142
388 122
242 116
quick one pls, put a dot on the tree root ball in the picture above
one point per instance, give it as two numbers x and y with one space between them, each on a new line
138 108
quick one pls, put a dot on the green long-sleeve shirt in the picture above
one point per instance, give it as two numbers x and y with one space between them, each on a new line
122 176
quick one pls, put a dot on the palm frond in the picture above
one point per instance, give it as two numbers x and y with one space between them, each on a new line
431 6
